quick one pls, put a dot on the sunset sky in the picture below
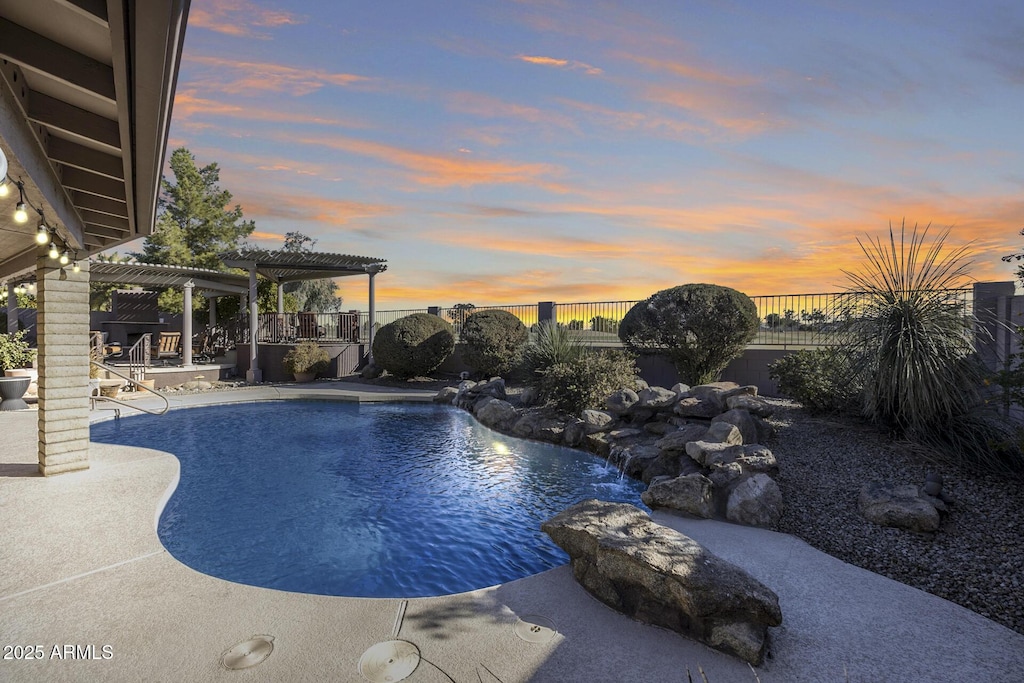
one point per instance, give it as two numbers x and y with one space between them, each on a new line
512 152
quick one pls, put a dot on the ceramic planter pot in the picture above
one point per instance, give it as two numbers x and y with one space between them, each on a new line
305 376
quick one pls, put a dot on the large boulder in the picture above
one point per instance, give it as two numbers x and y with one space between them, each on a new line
574 432
677 440
621 401
715 394
659 576
657 398
537 425
690 494
598 421
723 432
445 395
710 453
756 501
742 420
495 413
691 406
751 404
903 507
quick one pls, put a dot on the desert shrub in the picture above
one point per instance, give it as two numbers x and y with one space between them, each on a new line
821 379
700 327
914 342
586 380
494 342
414 345
306 357
553 344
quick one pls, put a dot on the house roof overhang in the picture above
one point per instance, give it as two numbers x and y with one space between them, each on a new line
86 88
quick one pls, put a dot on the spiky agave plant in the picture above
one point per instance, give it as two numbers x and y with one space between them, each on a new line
913 337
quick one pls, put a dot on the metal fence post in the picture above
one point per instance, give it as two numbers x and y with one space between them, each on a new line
546 312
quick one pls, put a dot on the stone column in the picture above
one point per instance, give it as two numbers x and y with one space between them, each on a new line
186 324
62 299
12 309
213 311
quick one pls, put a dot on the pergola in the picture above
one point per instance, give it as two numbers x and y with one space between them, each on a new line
292 266
210 283
86 88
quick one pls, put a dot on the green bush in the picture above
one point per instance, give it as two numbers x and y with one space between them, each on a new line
822 380
554 344
493 341
306 357
700 327
414 345
586 380
15 351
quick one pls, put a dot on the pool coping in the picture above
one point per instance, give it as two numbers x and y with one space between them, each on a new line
84 567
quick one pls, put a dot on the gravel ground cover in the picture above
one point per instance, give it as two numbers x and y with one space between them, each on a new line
975 559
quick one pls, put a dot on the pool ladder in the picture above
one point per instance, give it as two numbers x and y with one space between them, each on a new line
132 382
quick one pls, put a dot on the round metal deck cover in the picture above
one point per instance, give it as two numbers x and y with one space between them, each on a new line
389 661
534 629
248 653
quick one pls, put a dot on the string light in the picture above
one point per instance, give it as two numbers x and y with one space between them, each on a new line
42 233
4 190
75 268
53 250
64 257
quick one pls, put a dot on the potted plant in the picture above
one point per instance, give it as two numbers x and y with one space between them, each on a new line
305 361
16 358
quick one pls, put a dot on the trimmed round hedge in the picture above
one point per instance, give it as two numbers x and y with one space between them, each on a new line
700 327
414 345
493 341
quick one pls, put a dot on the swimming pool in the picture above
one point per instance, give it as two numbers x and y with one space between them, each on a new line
363 500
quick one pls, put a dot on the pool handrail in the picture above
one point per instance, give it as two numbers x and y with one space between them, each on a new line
132 382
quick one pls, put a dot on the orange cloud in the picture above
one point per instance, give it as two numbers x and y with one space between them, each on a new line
239 18
438 170
491 107
691 71
561 63
633 120
187 104
241 77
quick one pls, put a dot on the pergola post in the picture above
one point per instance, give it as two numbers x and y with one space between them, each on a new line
186 324
280 297
213 311
12 309
254 374
372 271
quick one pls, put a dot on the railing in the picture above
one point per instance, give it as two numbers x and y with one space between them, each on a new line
786 320
136 386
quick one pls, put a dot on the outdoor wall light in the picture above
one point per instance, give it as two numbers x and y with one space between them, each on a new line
53 251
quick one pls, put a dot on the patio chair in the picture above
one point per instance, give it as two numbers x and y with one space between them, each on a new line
168 345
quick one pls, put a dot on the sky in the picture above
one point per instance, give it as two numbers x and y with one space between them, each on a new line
509 152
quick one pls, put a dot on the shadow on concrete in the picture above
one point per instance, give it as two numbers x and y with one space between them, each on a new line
19 469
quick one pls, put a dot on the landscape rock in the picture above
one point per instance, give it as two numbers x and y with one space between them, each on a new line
723 475
598 420
495 413
690 406
536 425
690 494
751 404
445 395
723 432
661 577
659 428
714 393
902 507
575 430
709 453
755 501
657 398
679 389
677 440
528 396
757 458
621 401
493 387
742 420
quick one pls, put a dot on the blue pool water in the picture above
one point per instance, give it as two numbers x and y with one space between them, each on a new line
371 500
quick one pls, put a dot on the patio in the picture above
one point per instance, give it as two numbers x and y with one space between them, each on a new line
84 566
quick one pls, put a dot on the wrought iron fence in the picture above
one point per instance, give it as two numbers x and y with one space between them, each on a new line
786 320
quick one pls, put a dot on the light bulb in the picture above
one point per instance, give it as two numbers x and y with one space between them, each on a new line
75 267
53 250
20 214
4 190
64 258
42 234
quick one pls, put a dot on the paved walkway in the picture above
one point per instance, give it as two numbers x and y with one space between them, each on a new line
82 566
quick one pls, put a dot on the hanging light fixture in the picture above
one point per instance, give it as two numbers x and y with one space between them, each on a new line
65 258
42 232
20 212
53 250
75 268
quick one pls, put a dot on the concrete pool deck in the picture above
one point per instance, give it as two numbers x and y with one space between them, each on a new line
82 566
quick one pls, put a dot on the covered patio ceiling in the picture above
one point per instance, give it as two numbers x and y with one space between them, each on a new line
86 88
290 266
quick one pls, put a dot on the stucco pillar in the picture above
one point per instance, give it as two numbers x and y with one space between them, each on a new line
62 328
280 297
253 375
213 311
372 317
12 309
186 324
